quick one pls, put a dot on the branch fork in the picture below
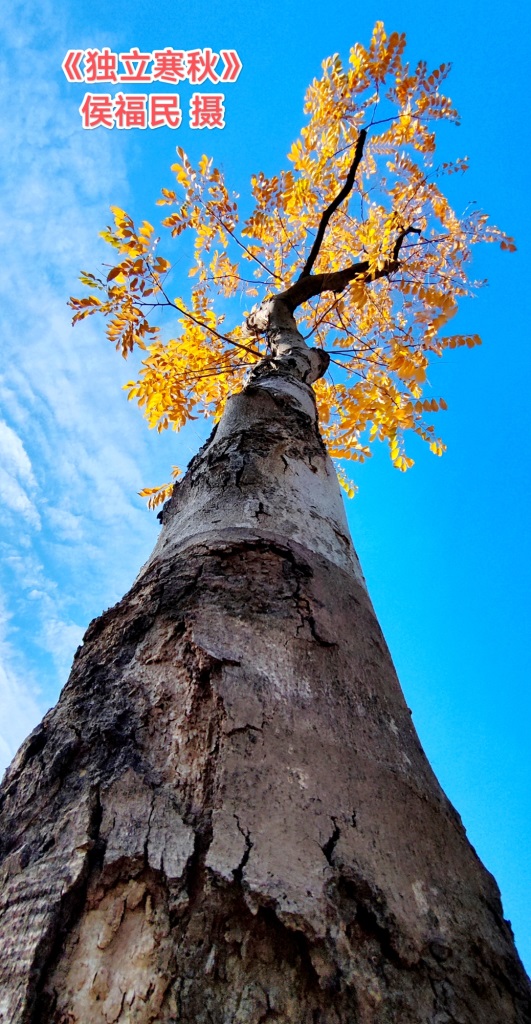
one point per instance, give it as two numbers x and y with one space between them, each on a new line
274 316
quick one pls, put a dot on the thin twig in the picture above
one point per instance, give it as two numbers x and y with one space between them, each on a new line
211 330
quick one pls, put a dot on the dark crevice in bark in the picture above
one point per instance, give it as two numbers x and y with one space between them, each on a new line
177 588
243 729
341 536
33 746
368 920
368 917
238 957
238 872
194 877
148 832
309 620
262 511
331 843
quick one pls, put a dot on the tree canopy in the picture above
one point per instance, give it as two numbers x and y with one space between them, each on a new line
357 235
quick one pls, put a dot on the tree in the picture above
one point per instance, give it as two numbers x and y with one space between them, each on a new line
376 267
228 816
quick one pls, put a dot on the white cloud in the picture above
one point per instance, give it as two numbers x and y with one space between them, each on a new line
15 499
20 712
13 454
61 639
16 477
20 706
65 525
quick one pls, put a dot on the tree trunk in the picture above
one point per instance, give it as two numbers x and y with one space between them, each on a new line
228 817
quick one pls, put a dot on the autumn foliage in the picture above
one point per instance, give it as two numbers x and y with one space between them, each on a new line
357 235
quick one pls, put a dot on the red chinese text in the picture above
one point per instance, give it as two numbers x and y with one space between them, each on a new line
207 110
156 110
164 111
167 65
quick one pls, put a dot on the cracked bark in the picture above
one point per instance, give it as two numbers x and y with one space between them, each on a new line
228 817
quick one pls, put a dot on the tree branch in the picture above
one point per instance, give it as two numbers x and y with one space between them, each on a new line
210 210
347 187
313 284
398 244
211 330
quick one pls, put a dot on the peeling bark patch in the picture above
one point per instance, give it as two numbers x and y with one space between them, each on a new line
40 897
143 825
126 966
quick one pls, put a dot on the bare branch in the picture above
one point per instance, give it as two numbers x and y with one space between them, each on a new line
347 187
398 244
211 330
242 245
209 209
336 281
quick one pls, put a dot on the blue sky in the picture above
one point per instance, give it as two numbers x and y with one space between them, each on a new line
445 548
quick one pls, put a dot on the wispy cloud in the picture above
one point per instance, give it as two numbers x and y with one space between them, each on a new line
16 477
20 707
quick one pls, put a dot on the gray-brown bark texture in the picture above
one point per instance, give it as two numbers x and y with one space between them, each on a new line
228 817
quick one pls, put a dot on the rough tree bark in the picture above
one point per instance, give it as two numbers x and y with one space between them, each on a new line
228 817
